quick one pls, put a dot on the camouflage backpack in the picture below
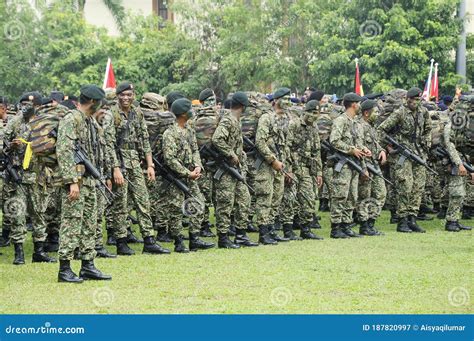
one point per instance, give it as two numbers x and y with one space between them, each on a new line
258 106
157 122
329 112
439 119
205 124
153 101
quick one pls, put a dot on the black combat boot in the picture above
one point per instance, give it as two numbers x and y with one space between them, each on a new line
66 274
365 229
232 230
277 226
264 236
336 231
372 227
315 222
111 237
52 243
179 246
206 230
242 239
394 218
402 225
275 235
423 216
451 226
466 213
426 209
412 225
163 235
89 271
5 238
307 234
250 226
347 229
131 238
323 205
289 233
102 252
463 227
442 213
195 243
39 256
296 223
151 246
123 248
225 243
19 255
436 207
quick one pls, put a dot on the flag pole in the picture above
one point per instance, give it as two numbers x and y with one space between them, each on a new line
107 68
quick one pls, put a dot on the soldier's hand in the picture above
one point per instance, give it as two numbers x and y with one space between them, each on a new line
357 153
118 177
151 173
234 160
289 178
108 182
194 175
462 170
277 165
73 192
365 176
458 92
319 181
383 157
367 152
15 143
198 170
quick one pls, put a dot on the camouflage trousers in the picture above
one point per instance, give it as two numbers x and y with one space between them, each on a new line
343 195
53 210
306 196
289 203
457 193
469 199
327 182
174 205
267 181
205 184
410 179
23 201
232 196
120 208
78 223
371 198
101 203
251 172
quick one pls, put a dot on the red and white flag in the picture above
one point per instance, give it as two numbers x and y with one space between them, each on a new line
358 85
109 79
426 92
434 84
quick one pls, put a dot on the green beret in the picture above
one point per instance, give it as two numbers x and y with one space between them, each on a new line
367 105
173 96
92 92
414 92
124 86
352 97
181 106
33 96
57 96
205 94
240 98
312 105
281 92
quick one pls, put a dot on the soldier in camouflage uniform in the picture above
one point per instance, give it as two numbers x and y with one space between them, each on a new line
413 125
181 156
79 201
24 196
346 139
5 236
127 141
372 194
230 193
457 139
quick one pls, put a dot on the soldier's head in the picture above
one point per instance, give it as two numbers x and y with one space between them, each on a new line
126 95
29 102
239 102
414 98
316 95
282 98
368 110
207 97
90 99
182 108
173 96
351 102
57 97
311 111
3 107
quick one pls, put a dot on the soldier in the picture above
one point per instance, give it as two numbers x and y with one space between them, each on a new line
79 201
345 138
127 140
371 194
181 155
307 167
230 192
24 196
456 139
413 128
5 236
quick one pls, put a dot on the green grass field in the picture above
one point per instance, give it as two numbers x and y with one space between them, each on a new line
396 274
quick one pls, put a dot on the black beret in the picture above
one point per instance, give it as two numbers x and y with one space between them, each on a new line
181 106
68 104
72 98
46 100
367 105
124 86
205 94
33 96
3 100
352 97
414 92
281 92
240 98
312 105
317 95
447 98
227 103
57 96
173 96
374 96
92 92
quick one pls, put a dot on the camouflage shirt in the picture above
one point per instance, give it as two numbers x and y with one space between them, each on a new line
228 137
307 147
370 139
271 135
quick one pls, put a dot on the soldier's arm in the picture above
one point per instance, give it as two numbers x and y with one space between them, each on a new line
449 145
389 123
110 141
317 154
170 154
65 145
336 136
427 128
144 136
261 138
221 136
195 148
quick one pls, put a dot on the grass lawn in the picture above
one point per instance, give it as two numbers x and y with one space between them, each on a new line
396 274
